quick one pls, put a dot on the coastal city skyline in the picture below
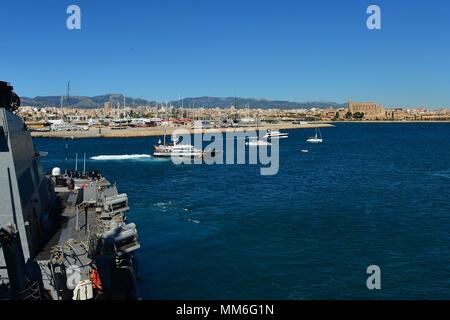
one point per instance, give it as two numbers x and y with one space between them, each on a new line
294 51
116 120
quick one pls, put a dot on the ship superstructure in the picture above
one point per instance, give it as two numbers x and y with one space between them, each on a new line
63 235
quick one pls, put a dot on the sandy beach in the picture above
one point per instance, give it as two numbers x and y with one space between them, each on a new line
159 131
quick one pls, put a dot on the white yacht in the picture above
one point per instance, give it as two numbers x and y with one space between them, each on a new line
254 142
174 149
271 134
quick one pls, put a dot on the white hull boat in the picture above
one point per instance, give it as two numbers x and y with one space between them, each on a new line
317 138
314 140
275 134
254 142
176 150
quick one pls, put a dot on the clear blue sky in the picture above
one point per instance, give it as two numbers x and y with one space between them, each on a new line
291 50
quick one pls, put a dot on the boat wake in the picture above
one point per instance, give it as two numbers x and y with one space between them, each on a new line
163 206
442 174
121 157
174 209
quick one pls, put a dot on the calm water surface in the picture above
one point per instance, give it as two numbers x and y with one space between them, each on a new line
370 194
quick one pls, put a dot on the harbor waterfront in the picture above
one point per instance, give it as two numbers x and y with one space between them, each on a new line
370 194
159 131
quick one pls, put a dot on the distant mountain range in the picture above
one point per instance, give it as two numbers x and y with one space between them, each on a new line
254 103
82 101
116 99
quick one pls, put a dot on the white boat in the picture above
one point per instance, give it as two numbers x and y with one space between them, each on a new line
167 150
317 137
315 140
180 150
271 134
254 142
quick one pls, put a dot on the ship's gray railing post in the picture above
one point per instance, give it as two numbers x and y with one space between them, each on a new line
77 225
84 164
85 219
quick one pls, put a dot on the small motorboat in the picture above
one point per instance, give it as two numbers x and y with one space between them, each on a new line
271 134
254 142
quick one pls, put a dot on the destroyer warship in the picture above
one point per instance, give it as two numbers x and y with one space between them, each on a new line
63 235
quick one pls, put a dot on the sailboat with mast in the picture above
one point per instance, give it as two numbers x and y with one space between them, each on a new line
60 124
254 141
317 137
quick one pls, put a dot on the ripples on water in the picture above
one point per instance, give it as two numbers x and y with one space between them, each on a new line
370 194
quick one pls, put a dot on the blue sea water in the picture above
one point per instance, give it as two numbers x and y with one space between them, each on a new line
370 194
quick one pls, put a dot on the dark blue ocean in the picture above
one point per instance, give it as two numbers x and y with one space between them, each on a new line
370 194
